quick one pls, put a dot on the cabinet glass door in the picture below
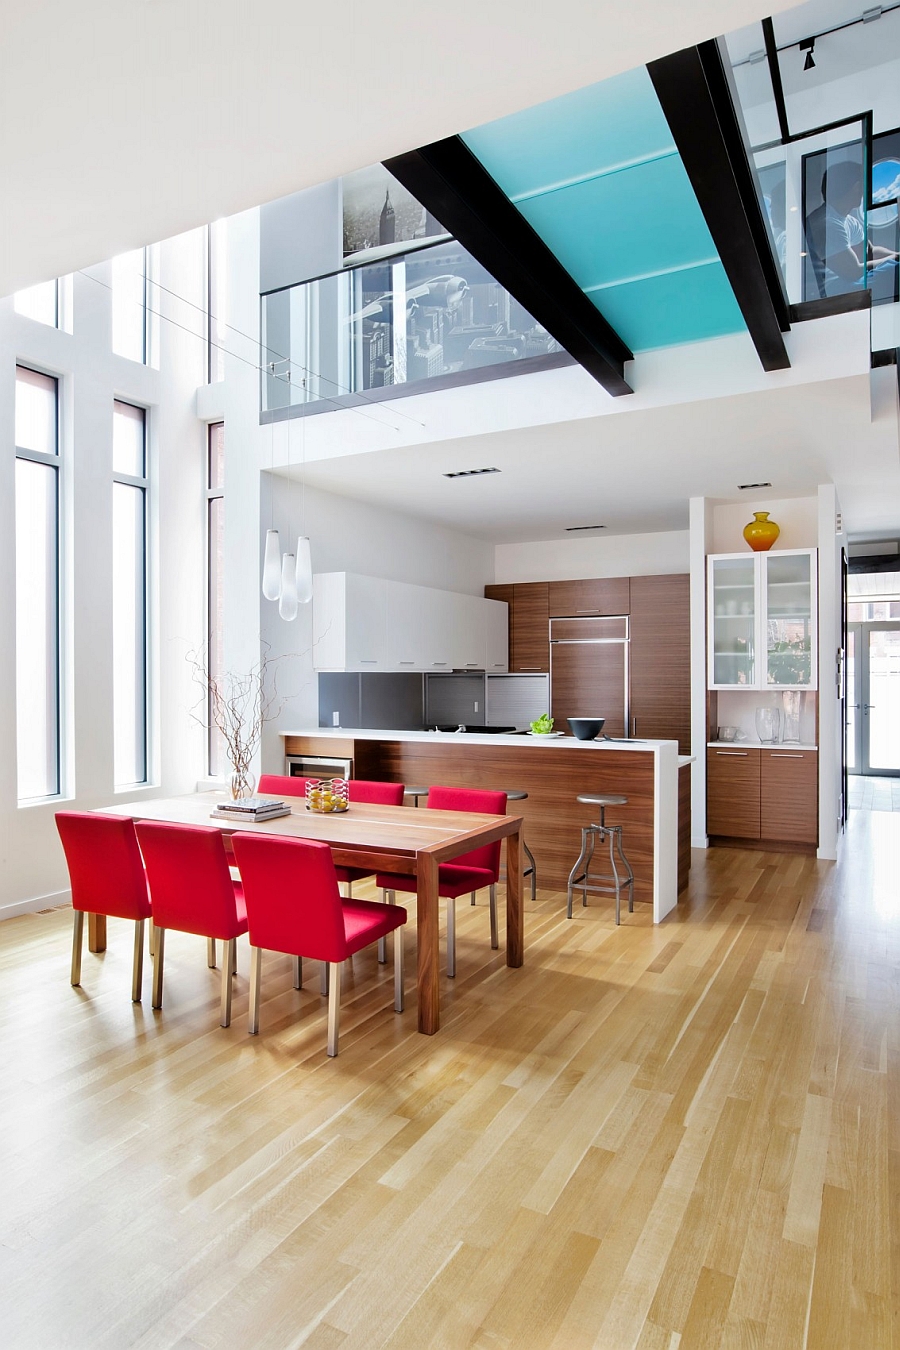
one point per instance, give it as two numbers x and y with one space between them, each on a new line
789 619
734 621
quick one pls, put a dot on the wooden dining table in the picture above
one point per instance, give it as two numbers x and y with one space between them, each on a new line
377 838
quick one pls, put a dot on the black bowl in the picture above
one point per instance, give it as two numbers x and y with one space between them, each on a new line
586 728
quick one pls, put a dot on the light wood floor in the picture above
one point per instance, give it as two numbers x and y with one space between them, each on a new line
676 1137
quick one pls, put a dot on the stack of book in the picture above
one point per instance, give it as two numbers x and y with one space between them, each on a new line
250 809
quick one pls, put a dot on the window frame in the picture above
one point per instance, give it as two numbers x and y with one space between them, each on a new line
212 494
142 483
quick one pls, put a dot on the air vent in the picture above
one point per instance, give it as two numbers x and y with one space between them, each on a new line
571 529
469 473
743 487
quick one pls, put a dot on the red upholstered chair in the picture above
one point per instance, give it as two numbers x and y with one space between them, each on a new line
361 790
107 877
470 872
293 906
192 891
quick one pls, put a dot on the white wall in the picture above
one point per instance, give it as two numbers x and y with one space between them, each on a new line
618 555
797 517
32 868
831 710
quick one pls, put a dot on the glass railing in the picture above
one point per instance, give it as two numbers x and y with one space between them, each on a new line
828 181
430 314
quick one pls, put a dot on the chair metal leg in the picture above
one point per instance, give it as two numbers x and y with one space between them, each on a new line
494 940
297 962
451 938
234 956
615 872
159 952
227 964
593 836
387 898
531 869
137 968
211 953
77 943
150 938
473 901
398 969
255 973
575 874
334 1007
326 979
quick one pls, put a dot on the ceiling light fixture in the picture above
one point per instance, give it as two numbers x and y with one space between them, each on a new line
570 529
742 487
808 45
469 473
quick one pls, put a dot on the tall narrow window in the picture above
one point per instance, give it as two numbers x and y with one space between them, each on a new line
40 303
215 302
129 594
129 305
215 526
37 585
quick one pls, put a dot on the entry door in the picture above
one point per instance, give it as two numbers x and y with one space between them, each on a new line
873 698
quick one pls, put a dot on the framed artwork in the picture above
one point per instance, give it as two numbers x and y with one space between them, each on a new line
379 216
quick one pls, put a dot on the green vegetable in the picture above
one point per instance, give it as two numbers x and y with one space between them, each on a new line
543 726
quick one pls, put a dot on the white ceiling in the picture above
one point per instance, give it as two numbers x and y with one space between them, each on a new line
123 122
635 473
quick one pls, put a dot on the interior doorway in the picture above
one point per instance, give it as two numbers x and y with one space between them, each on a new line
873 692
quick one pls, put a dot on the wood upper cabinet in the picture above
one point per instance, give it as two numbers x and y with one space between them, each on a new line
607 595
732 792
660 657
789 798
530 638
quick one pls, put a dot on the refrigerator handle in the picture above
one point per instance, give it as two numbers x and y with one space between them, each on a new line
634 726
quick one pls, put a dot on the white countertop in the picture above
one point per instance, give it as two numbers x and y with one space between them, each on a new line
478 738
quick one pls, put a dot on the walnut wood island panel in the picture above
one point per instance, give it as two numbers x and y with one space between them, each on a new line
553 772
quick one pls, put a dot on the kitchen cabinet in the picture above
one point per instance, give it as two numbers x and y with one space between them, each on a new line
769 793
660 659
365 623
530 645
789 799
762 620
603 595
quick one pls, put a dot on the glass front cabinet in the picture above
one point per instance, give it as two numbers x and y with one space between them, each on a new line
762 620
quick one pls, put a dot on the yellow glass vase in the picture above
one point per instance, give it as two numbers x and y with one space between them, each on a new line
761 532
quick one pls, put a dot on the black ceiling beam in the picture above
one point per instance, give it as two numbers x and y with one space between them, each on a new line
457 189
692 87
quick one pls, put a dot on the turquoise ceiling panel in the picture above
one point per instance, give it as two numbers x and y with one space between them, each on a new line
615 122
623 223
597 175
671 308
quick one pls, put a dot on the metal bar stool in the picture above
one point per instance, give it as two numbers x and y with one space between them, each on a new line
531 870
601 882
416 793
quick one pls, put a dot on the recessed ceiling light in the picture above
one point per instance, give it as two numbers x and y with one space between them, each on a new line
469 473
570 529
742 487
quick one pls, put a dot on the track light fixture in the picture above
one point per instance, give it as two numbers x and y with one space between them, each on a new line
808 45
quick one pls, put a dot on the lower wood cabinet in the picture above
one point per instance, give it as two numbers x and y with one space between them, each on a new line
765 793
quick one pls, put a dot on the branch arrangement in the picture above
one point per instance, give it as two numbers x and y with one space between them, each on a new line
238 706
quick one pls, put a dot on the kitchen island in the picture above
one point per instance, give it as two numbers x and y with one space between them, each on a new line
553 771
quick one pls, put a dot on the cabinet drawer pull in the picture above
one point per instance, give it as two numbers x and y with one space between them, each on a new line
741 754
587 611
368 661
440 663
528 668
406 663
780 754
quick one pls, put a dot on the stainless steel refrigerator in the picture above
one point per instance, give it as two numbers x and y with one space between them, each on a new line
589 674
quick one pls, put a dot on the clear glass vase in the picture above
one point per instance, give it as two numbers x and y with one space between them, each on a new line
768 725
241 784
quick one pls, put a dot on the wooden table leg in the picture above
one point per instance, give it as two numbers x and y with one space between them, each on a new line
515 909
427 930
96 932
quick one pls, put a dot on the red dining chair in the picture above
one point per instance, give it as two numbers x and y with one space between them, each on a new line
107 877
294 906
192 891
470 872
361 790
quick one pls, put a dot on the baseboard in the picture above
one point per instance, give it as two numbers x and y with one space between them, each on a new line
35 904
762 845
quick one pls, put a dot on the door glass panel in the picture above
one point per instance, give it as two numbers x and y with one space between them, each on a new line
852 703
734 619
788 619
884 699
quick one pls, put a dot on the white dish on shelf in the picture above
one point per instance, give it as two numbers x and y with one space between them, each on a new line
544 735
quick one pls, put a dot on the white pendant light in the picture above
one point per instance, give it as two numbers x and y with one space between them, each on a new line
287 604
304 571
271 579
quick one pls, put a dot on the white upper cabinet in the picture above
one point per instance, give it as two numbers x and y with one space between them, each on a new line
365 623
762 620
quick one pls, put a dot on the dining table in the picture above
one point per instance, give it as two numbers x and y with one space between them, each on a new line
377 838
